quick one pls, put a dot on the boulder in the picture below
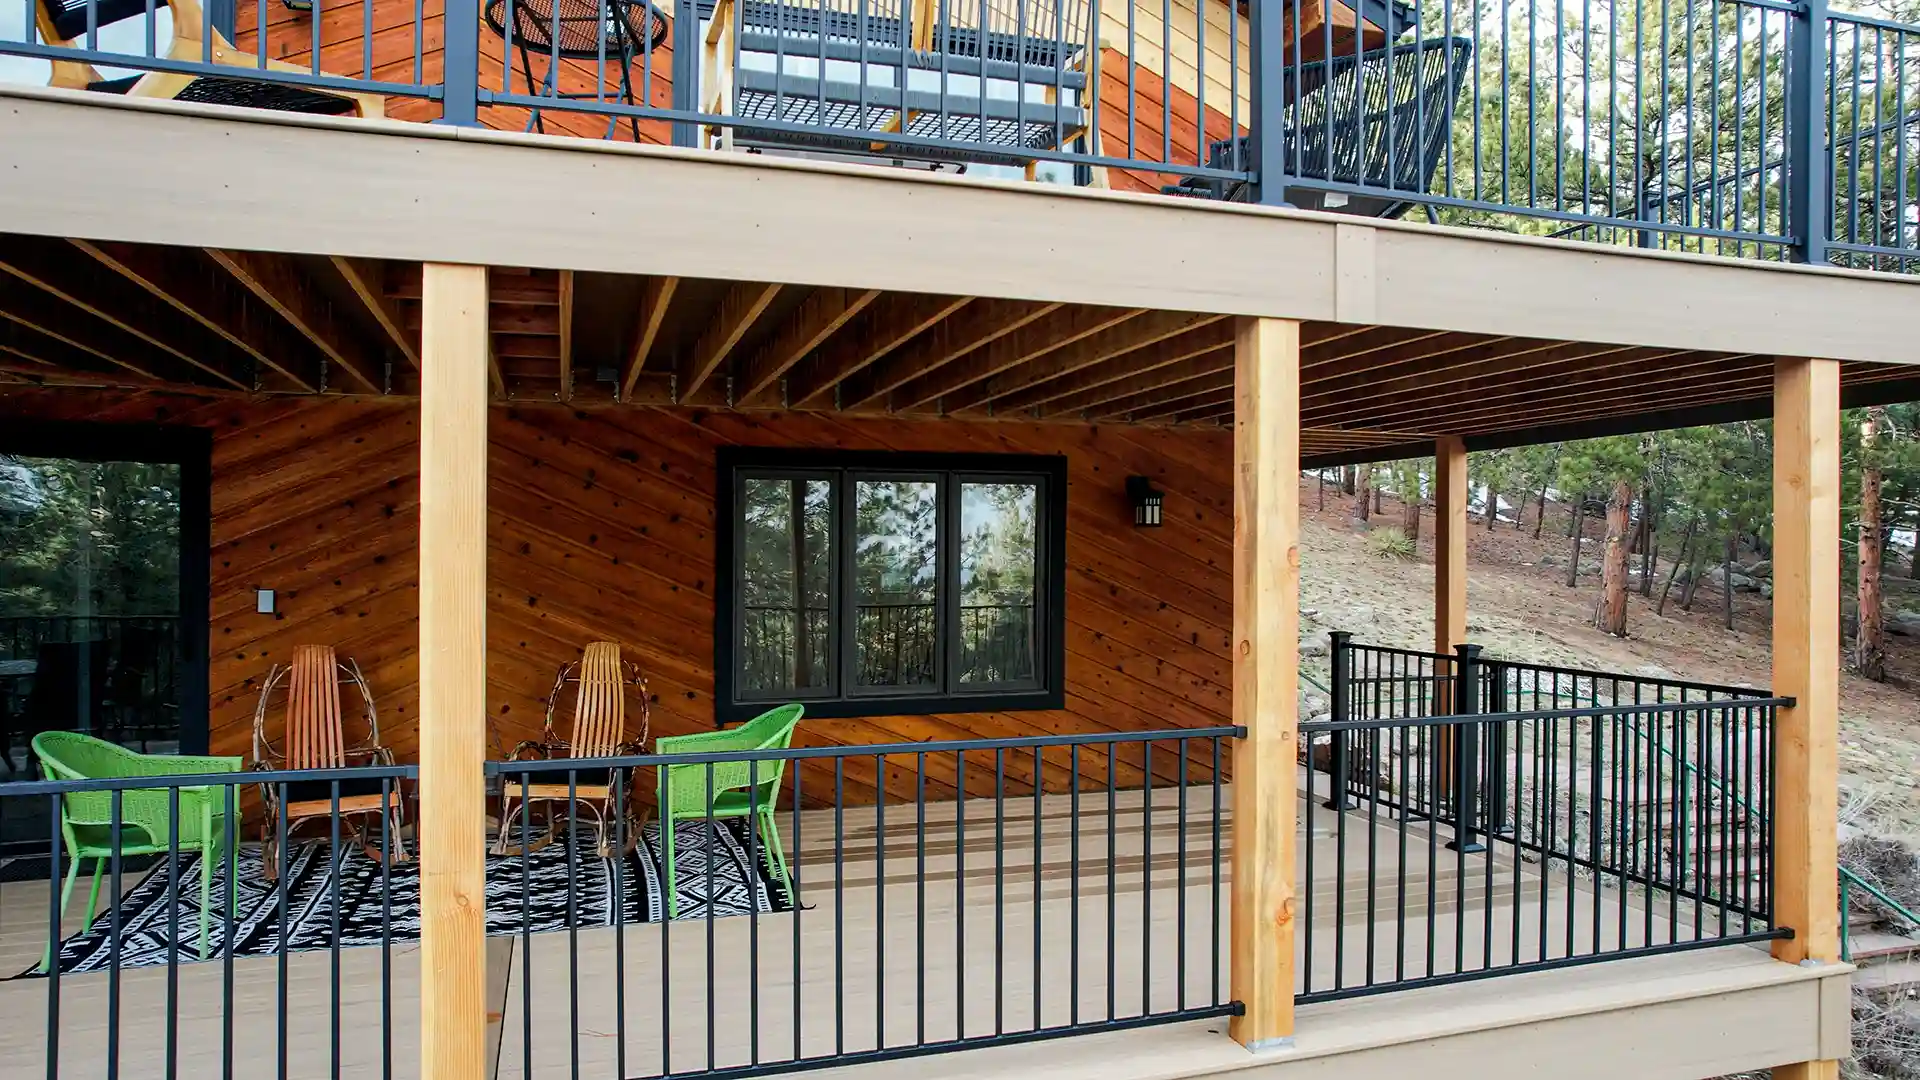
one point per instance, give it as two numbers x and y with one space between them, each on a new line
1761 569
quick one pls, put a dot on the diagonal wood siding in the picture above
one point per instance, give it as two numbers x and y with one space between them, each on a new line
600 525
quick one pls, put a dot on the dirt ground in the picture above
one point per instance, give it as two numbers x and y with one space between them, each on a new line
1519 606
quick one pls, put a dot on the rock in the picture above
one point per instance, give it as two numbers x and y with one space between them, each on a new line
1313 704
1904 623
1761 569
1549 560
1766 589
1743 583
1316 645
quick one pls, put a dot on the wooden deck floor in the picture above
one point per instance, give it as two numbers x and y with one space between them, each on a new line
948 939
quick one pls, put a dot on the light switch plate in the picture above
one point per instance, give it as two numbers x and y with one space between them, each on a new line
263 601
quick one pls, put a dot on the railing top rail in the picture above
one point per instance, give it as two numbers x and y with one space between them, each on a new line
1872 21
1455 719
1615 676
1390 650
211 779
801 753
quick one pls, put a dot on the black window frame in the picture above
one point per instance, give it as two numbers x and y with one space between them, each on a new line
845 467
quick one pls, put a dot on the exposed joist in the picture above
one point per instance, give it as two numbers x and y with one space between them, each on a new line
818 318
1170 399
958 385
1119 397
1147 329
738 311
888 324
1500 355
496 378
280 284
57 269
981 324
183 279
1075 390
1446 393
566 335
367 278
26 309
656 297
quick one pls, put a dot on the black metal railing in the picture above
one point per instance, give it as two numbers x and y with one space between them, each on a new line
1541 817
895 644
1754 128
862 903
211 938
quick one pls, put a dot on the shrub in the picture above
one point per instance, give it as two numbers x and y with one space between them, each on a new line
1389 543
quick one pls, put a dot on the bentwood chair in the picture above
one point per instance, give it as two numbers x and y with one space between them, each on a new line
68 23
598 730
314 737
144 824
727 789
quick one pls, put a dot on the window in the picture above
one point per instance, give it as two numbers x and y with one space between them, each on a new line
867 584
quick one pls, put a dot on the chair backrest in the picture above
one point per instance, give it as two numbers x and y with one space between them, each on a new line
685 785
600 710
69 755
315 737
1037 33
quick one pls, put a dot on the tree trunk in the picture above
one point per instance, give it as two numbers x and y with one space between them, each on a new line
1377 495
1686 552
1493 507
1869 647
1613 562
1696 568
1346 478
1320 486
1576 531
1726 577
1540 518
1362 493
1410 509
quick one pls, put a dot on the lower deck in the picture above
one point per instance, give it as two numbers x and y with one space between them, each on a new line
916 926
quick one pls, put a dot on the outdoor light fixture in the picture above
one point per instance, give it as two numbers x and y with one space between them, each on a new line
1146 502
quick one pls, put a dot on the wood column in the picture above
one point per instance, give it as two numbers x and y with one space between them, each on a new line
1449 544
453 611
1266 667
1806 667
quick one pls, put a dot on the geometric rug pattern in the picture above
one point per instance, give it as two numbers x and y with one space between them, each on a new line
565 884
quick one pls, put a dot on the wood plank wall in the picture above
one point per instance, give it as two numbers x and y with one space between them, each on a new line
600 525
1166 123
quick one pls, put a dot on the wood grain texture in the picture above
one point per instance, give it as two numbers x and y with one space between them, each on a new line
1806 660
453 661
1450 491
1266 631
600 525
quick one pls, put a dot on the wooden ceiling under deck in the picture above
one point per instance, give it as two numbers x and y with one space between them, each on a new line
223 322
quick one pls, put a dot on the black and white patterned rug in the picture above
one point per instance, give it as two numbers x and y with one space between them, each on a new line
530 894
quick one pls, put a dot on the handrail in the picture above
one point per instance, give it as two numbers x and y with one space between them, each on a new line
1848 879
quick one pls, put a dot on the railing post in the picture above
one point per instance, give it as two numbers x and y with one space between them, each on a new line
1495 705
1265 68
1808 201
1339 661
460 70
1466 750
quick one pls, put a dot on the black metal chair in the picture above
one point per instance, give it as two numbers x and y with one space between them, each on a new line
588 30
1380 120
811 58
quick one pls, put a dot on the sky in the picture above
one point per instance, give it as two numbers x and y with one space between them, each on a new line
128 36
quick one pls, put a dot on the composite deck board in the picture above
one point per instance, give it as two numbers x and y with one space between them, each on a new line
866 946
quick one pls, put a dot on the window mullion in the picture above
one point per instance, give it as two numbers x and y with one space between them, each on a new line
947 562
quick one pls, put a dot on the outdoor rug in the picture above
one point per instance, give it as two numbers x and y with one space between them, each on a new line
523 895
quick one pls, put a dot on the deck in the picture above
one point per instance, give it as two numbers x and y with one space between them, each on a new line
956 938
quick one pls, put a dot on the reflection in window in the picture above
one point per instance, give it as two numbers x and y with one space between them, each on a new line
896 613
786 582
998 531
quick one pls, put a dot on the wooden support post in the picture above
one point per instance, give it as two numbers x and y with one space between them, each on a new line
453 610
1450 497
1266 666
1449 545
1806 667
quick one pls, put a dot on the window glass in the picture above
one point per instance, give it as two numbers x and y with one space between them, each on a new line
896 579
999 532
786 585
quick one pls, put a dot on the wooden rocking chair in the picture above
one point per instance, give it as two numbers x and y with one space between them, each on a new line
599 730
194 40
315 738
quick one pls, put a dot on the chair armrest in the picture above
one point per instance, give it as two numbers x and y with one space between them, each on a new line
534 750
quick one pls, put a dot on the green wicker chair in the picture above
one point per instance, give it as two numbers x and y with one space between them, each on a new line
737 788
86 817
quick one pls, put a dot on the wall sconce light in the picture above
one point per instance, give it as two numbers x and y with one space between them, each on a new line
1146 501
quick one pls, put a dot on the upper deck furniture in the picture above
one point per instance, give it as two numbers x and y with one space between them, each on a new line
599 728
590 31
70 22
